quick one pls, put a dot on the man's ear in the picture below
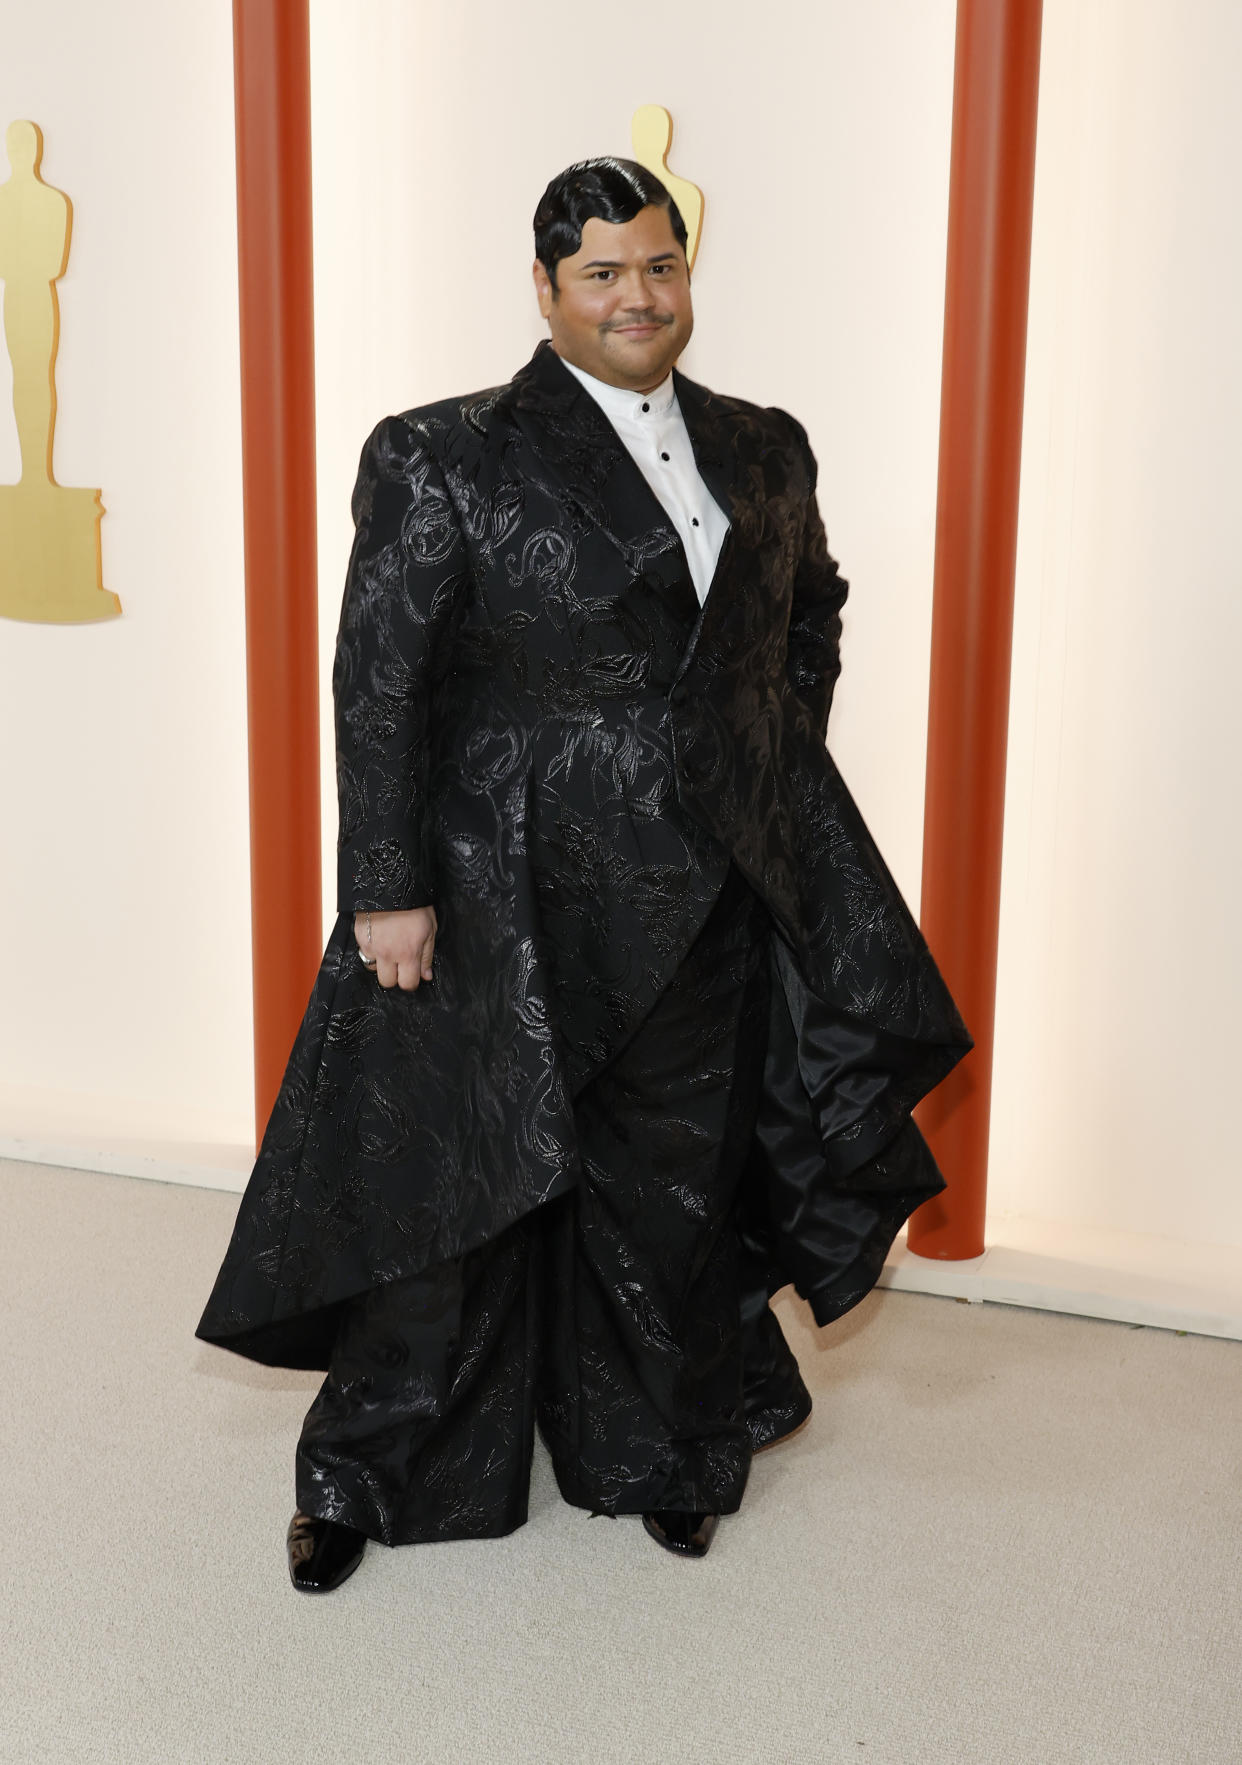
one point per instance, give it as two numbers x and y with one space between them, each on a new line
545 293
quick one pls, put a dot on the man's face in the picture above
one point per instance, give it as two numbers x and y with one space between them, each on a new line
621 307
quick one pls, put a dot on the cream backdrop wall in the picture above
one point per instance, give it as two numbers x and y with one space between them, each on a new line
821 136
124 892
1118 1035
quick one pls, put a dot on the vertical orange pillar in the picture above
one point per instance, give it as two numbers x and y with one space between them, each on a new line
991 192
271 60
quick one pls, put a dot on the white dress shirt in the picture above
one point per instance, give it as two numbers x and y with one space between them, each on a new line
653 430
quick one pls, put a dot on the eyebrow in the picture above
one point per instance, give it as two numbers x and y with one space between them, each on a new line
612 263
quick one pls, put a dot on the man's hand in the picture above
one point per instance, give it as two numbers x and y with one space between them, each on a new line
400 944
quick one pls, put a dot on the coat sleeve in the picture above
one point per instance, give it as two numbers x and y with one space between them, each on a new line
813 656
406 571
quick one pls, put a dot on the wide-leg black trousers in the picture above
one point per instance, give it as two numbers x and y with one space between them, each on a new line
623 1318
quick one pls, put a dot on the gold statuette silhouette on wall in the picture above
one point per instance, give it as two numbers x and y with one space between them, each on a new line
50 567
651 131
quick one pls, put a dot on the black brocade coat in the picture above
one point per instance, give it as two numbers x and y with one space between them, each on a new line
541 732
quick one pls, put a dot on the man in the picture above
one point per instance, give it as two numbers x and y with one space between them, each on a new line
623 1018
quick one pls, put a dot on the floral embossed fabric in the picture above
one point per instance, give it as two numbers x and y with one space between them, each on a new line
540 731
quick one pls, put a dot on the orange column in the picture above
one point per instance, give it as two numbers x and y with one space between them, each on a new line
991 189
271 59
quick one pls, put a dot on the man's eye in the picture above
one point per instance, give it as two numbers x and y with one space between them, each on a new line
603 275
660 269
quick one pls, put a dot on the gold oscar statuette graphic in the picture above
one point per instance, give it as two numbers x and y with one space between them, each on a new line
651 130
50 568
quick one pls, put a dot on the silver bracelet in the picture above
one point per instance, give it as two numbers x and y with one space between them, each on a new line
367 961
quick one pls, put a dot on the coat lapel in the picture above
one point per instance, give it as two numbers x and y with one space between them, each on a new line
596 475
712 439
713 431
604 488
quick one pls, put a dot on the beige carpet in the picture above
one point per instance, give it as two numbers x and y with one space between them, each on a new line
1005 1536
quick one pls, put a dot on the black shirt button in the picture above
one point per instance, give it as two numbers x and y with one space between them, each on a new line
646 407
664 456
694 520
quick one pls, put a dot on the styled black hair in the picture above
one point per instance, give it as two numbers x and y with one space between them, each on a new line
612 190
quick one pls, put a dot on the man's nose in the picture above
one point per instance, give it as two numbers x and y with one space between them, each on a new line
636 291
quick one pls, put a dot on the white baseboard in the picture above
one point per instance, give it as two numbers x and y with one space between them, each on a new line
1090 1272
203 1166
123 1137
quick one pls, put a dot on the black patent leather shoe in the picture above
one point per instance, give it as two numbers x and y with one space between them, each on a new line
688 1535
322 1553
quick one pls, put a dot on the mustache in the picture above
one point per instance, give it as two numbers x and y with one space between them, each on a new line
644 318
